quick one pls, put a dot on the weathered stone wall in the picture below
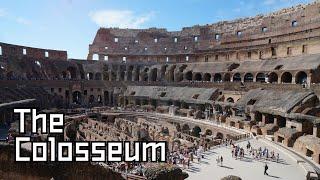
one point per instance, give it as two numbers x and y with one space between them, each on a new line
18 170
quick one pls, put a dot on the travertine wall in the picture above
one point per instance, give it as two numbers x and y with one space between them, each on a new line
288 32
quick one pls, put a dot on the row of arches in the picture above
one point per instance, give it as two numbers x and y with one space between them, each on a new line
197 131
177 73
286 77
79 99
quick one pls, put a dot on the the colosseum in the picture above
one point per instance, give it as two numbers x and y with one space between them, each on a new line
255 79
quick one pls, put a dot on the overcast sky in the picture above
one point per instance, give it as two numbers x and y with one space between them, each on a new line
71 24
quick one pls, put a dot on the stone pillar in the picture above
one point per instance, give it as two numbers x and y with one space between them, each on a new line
263 120
110 75
316 131
309 79
126 76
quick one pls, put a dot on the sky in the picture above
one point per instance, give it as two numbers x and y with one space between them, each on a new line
72 24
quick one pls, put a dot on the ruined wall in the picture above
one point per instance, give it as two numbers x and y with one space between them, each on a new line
288 32
10 50
12 170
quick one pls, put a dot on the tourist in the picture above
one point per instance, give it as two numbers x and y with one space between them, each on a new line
265 169
218 160
221 160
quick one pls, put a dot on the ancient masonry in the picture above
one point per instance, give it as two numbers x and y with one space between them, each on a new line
259 74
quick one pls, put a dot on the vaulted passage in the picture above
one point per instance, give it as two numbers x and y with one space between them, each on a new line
206 77
273 77
197 77
236 77
286 77
261 77
188 76
76 98
248 77
153 74
217 78
301 77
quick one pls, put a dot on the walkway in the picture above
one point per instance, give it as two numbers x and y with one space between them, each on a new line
247 169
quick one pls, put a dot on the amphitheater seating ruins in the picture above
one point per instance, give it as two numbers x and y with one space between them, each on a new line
260 75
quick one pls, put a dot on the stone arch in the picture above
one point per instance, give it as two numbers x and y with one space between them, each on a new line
76 97
286 77
207 77
185 129
113 76
99 99
248 77
90 76
91 99
261 77
230 100
301 77
227 77
136 74
217 77
188 75
273 77
236 77
219 135
106 97
66 75
163 70
208 132
171 73
73 72
98 76
122 76
129 73
197 76
153 74
196 131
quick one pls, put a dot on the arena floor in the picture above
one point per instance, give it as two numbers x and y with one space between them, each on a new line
247 168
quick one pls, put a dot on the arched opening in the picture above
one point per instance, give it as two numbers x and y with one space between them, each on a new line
301 77
208 132
122 75
248 77
106 97
98 76
286 77
90 76
153 74
261 77
186 129
91 99
218 78
136 74
273 77
219 135
106 76
171 73
230 100
206 77
73 72
76 97
237 77
129 73
99 99
188 76
197 77
113 76
196 131
66 75
163 71
227 77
